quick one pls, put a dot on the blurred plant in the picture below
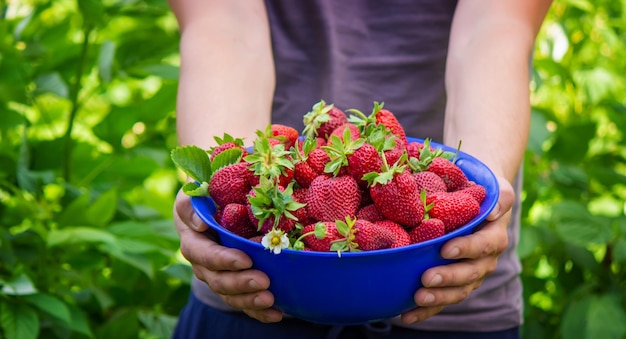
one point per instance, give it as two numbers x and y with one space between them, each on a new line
573 244
87 246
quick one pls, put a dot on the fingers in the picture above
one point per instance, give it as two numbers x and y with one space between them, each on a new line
506 199
185 214
459 274
491 240
267 316
420 314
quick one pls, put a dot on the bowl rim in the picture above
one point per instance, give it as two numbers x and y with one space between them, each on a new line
197 202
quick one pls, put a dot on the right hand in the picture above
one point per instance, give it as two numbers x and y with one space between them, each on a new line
227 271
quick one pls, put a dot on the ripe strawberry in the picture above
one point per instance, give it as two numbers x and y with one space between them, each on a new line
364 160
235 219
322 120
270 206
225 143
454 209
475 190
370 213
370 236
393 155
286 134
430 182
303 173
429 229
400 234
451 174
355 133
230 184
317 159
389 120
395 194
414 148
333 198
302 213
320 245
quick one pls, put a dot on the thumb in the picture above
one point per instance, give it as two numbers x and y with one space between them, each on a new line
505 202
184 213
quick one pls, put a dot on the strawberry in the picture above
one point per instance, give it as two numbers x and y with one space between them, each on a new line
235 219
320 245
333 198
393 155
225 143
400 234
388 119
370 213
355 133
271 206
429 229
453 209
361 235
317 159
303 173
286 134
230 184
430 182
451 174
322 120
270 160
475 190
257 238
394 192
302 214
364 160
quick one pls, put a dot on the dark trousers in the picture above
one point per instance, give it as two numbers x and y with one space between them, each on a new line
197 320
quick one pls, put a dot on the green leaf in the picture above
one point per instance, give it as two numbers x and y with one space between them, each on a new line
105 61
21 285
228 157
19 321
51 305
52 83
194 190
73 236
619 251
102 210
79 321
164 71
574 322
606 318
92 11
183 272
160 325
574 224
194 161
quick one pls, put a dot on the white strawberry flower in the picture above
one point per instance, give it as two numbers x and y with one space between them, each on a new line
275 240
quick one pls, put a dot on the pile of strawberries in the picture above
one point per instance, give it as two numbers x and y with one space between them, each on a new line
349 182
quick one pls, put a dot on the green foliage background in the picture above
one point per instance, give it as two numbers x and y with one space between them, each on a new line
87 98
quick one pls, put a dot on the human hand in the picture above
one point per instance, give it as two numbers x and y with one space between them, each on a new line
225 270
451 284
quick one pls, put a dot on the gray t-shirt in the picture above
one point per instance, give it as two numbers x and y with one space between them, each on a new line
354 52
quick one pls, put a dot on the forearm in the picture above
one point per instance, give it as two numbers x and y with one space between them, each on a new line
227 77
487 81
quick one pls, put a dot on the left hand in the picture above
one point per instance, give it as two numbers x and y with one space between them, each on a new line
451 284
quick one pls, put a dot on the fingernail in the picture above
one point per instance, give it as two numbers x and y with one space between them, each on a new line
258 302
411 319
435 281
454 253
197 224
495 212
254 285
429 298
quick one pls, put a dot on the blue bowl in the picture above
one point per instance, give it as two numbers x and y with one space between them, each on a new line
359 287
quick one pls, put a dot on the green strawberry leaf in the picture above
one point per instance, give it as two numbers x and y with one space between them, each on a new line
194 161
228 157
194 190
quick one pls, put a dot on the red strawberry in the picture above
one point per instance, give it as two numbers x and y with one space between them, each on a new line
389 120
397 198
451 174
454 209
429 229
369 236
355 133
333 198
318 159
370 213
288 135
364 160
225 143
321 245
414 148
430 182
400 234
303 173
475 190
393 155
302 213
235 219
322 120
230 184
257 238
284 223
